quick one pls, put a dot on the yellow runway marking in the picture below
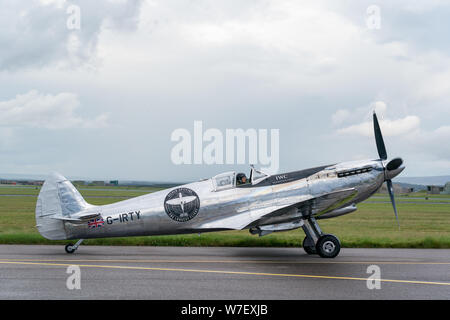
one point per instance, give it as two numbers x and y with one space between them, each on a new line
227 272
232 261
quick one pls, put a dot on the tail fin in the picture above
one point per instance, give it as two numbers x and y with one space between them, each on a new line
58 198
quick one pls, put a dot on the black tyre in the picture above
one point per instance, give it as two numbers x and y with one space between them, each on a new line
328 246
69 248
308 246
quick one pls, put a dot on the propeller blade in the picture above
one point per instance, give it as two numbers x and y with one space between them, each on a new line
379 138
391 194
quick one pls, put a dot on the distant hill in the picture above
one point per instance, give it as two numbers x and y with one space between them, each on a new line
41 177
415 187
18 176
418 183
425 181
158 184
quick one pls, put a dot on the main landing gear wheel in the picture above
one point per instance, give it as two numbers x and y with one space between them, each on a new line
308 246
70 248
328 246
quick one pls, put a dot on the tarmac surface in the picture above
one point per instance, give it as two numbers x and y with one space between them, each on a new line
174 273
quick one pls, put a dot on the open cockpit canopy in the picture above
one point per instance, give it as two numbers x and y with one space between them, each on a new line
229 180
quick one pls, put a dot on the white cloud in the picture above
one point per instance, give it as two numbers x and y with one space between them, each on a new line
37 110
397 127
225 62
6 138
379 107
34 33
434 143
340 116
344 116
420 148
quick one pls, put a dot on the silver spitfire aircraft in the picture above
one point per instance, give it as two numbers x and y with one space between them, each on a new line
262 203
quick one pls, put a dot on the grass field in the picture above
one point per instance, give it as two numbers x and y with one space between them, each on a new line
425 223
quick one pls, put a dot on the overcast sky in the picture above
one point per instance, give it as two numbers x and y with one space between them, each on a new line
102 101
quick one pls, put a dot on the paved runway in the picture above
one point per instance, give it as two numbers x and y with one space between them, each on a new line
39 272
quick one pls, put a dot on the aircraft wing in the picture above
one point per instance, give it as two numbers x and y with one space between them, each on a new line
316 206
285 213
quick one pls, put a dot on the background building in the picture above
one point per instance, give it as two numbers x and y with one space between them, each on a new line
446 188
435 189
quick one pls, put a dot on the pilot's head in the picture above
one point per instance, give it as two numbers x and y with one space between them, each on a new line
241 178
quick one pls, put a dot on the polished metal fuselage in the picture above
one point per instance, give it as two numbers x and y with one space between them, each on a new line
232 209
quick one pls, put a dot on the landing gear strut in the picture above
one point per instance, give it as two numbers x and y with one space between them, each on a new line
316 242
71 248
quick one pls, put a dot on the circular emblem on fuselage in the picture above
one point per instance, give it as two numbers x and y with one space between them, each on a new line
182 204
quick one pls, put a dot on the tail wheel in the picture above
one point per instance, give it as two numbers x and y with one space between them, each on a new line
328 246
70 248
308 246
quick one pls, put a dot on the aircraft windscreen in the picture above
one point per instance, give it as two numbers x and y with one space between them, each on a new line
258 176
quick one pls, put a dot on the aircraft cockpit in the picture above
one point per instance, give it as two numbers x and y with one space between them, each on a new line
229 180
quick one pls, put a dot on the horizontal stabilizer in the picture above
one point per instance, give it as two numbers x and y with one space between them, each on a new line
77 217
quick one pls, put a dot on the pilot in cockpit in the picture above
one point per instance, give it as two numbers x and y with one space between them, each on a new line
241 178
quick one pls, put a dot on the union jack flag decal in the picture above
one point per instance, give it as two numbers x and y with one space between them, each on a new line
96 223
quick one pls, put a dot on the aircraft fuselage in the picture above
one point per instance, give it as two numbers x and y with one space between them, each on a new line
198 207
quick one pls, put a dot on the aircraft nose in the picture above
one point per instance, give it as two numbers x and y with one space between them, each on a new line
394 168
